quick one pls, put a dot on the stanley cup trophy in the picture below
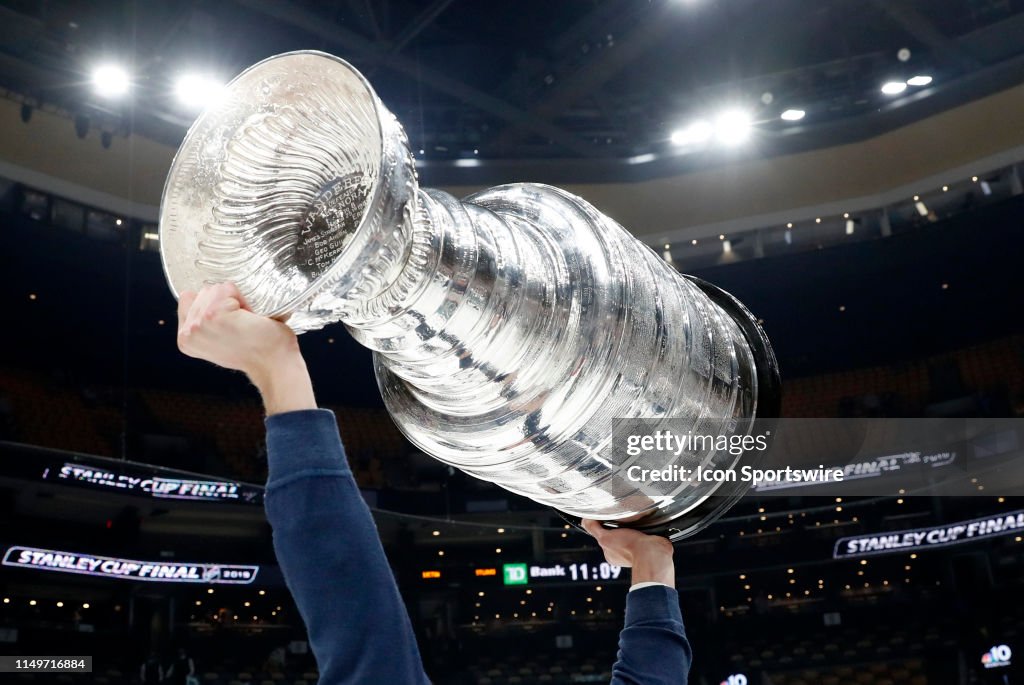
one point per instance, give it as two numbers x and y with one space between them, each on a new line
508 329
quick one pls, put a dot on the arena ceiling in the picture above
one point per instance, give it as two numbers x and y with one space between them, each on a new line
582 89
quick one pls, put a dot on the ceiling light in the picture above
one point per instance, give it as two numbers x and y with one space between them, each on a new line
894 87
197 91
110 80
919 80
732 127
850 227
698 132
793 115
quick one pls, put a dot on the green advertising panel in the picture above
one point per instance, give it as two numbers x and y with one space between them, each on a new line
515 574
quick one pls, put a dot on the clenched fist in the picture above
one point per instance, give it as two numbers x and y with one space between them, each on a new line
649 556
216 325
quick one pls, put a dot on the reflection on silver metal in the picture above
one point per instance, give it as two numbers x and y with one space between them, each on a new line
508 328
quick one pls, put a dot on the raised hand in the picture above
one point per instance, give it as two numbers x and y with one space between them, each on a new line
217 326
649 556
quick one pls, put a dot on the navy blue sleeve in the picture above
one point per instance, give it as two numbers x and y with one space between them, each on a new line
333 562
653 649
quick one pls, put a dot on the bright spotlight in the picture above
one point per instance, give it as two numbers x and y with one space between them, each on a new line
894 87
697 132
793 115
919 81
196 91
732 127
110 80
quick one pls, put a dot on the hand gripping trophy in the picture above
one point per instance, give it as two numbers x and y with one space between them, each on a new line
509 329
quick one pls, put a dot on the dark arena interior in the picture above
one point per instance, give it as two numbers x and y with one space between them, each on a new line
850 171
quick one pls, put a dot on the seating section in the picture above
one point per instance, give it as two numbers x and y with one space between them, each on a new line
883 655
905 389
236 428
544 668
906 672
49 414
56 414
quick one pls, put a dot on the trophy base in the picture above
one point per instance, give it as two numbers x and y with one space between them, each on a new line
769 405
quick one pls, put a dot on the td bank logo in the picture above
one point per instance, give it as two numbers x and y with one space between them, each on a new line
515 574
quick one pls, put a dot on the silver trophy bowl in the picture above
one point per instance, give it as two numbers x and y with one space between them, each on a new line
509 329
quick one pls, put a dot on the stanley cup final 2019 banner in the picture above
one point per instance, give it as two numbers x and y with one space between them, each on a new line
128 569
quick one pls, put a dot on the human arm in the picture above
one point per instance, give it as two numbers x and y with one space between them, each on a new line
324 537
653 648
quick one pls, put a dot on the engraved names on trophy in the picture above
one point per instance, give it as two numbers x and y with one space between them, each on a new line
331 221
